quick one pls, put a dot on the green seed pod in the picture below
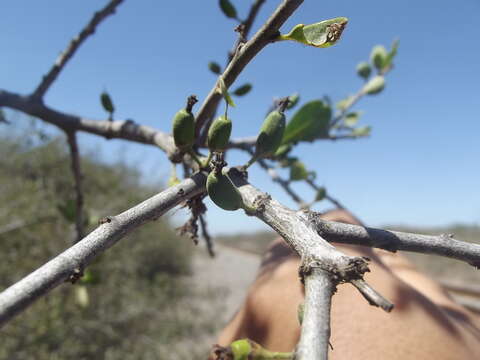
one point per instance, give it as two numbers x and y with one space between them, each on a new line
271 134
223 192
241 349
293 100
364 70
107 102
219 134
183 129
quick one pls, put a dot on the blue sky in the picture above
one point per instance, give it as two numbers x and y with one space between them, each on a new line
419 167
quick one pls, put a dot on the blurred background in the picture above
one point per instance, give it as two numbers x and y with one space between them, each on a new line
416 171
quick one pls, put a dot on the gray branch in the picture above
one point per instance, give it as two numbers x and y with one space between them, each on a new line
127 129
443 245
315 335
67 54
244 55
73 260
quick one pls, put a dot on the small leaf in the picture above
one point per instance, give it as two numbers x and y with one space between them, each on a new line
364 70
298 171
378 56
243 90
351 119
293 100
322 34
214 67
107 102
228 9
310 122
362 131
391 55
321 193
222 89
344 104
374 86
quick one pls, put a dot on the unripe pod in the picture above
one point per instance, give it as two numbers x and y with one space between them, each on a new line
223 192
378 56
183 129
364 70
219 134
374 86
241 349
271 134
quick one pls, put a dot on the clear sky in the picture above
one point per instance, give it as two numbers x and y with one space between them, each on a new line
419 167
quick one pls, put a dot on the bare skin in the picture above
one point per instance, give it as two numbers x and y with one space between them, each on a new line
425 324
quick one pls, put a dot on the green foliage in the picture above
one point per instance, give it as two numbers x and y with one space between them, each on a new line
134 302
214 67
107 102
228 9
298 171
309 123
322 34
243 90
222 89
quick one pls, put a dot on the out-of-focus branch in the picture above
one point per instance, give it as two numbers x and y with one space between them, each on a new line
20 295
243 56
77 177
442 245
127 129
72 47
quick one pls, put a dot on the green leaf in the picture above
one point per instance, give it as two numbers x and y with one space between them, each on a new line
222 89
351 119
391 54
298 171
214 67
364 70
293 100
322 34
374 86
362 131
228 9
243 90
310 122
378 56
107 102
282 151
321 193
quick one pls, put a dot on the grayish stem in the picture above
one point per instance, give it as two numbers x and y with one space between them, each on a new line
315 336
443 245
244 55
23 293
67 54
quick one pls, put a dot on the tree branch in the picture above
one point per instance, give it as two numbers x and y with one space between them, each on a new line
243 56
75 43
443 245
127 129
315 335
77 177
20 295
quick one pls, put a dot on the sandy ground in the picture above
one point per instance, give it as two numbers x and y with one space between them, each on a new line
227 277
